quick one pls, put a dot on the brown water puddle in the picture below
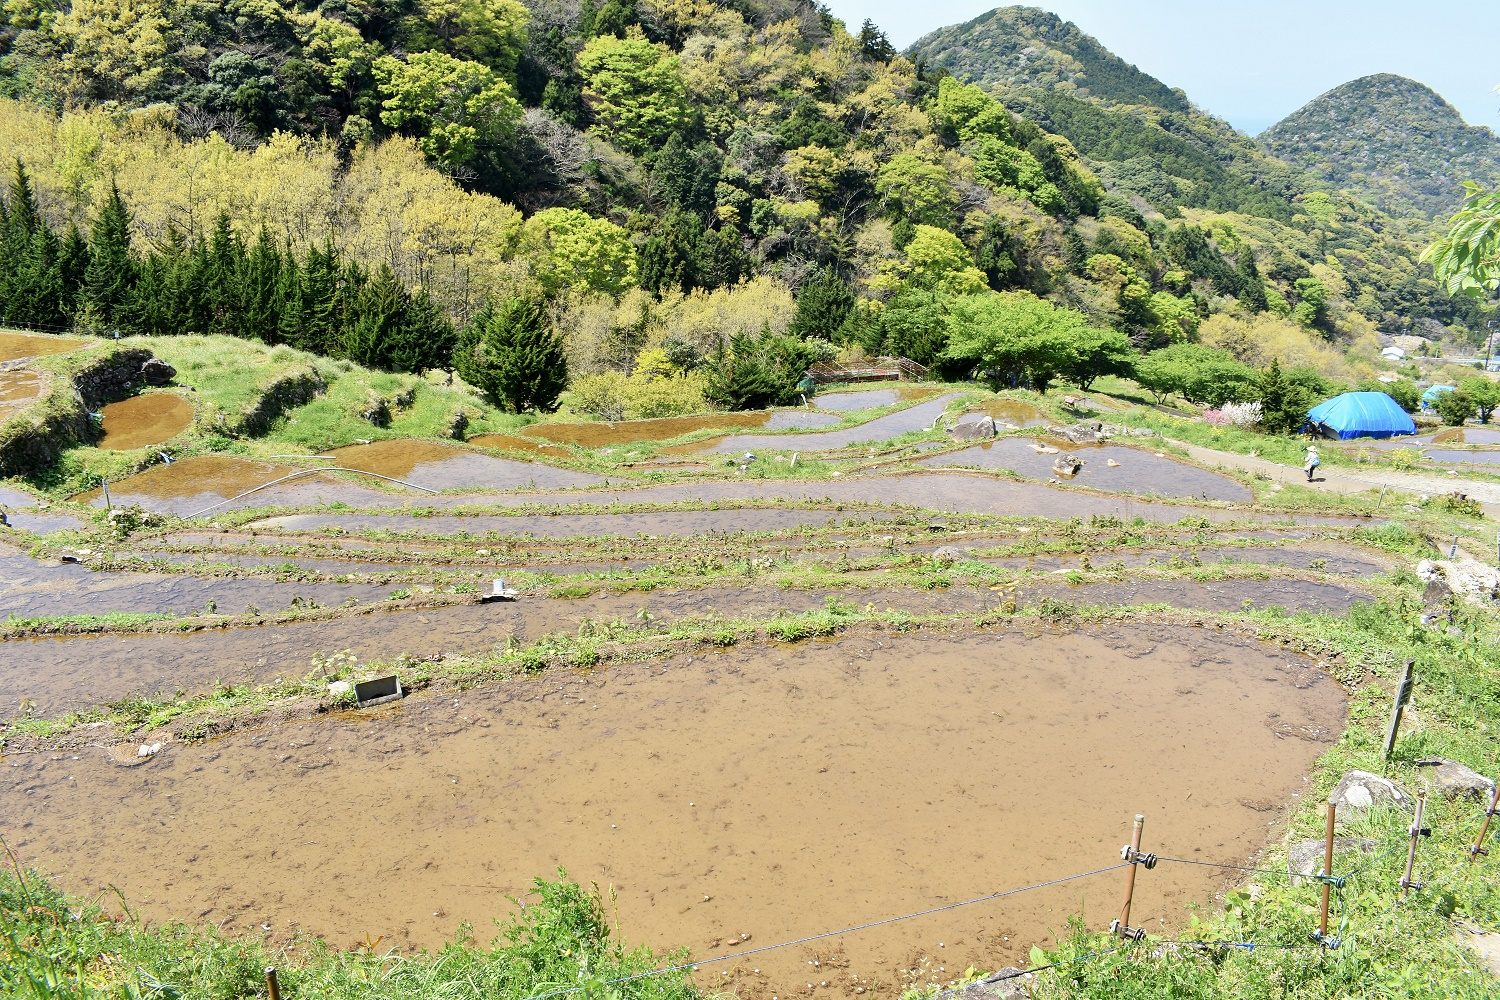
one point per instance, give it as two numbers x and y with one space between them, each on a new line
141 421
188 484
34 345
760 794
1339 562
18 390
515 442
441 467
604 435
1011 411
1135 471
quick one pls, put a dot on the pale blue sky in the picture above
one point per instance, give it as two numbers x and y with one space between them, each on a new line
1255 63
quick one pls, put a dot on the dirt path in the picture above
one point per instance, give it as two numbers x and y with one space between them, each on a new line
1344 480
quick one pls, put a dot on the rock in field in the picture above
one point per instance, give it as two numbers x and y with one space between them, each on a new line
1305 858
1452 780
974 427
1359 791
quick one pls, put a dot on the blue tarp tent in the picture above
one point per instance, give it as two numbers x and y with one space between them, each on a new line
1433 392
1360 414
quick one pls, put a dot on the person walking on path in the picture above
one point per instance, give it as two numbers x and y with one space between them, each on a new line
1311 461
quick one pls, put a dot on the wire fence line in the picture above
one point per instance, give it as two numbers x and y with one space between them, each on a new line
1159 947
824 935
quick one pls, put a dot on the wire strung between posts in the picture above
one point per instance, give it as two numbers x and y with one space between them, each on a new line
732 956
1216 864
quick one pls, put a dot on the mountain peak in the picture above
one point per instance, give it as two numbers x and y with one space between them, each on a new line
1394 140
1030 47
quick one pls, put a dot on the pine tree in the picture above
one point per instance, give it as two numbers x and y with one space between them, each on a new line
1252 287
371 340
291 318
111 267
223 263
257 281
511 355
36 288
73 264
823 304
321 303
426 338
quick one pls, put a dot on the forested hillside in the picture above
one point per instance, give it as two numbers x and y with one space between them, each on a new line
1392 141
688 202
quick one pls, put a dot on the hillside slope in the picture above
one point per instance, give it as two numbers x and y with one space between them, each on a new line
1024 46
1144 138
1393 141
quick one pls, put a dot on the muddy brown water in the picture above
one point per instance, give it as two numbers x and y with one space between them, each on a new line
515 442
442 467
768 793
913 418
1011 411
141 421
18 390
189 484
602 434
1136 472
15 345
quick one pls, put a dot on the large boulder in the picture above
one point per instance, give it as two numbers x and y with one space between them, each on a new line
1304 859
1475 582
155 371
1452 780
1361 791
974 427
1012 984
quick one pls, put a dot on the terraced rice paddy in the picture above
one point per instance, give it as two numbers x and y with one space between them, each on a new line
749 706
142 421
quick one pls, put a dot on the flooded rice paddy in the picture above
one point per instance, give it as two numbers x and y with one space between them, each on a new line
62 674
18 390
189 484
1454 456
603 434
14 346
142 421
869 399
913 418
1132 471
754 795
31 588
443 467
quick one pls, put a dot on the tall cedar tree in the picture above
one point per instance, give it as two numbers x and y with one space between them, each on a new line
511 355
823 303
111 269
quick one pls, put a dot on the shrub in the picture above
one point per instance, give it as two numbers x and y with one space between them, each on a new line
1454 407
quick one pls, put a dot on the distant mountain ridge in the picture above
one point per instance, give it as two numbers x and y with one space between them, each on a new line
1144 138
1394 141
1025 46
